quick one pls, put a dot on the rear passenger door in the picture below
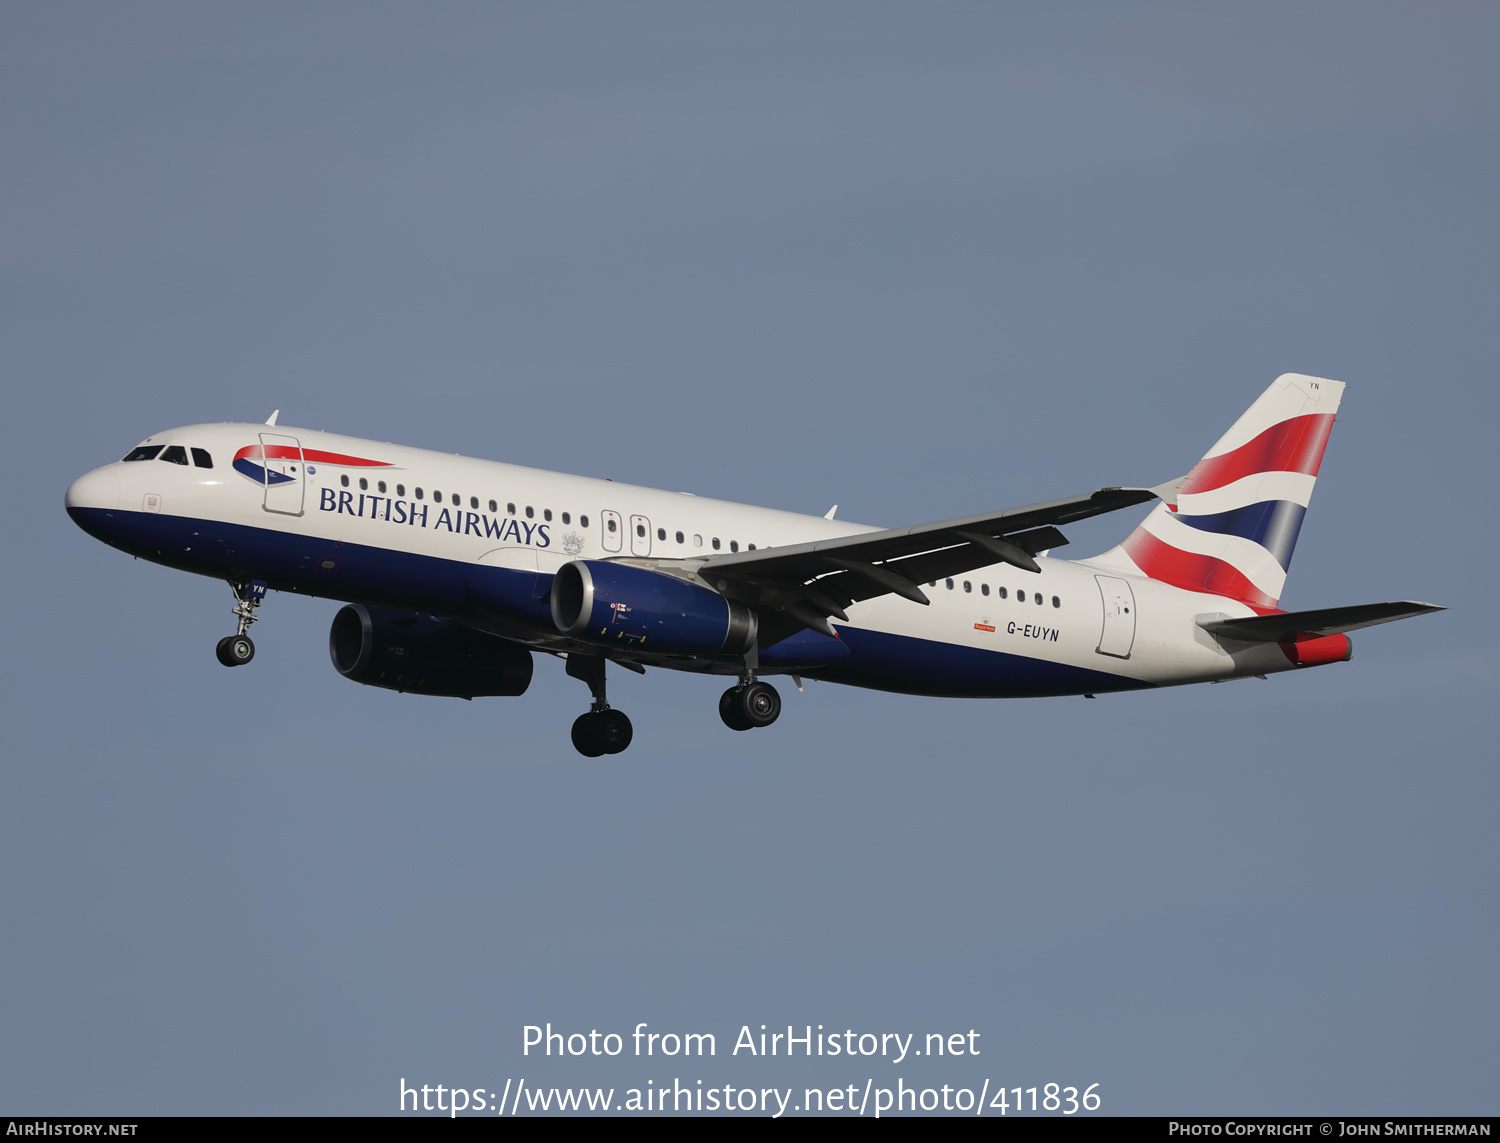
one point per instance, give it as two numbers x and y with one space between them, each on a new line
1118 634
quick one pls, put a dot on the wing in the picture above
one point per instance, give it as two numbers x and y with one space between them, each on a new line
804 584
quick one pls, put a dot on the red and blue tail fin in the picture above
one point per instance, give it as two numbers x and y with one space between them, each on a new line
1237 515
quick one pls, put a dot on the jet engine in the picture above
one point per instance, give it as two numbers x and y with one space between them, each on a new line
425 656
621 605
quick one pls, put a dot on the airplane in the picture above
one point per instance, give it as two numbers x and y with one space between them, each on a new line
455 572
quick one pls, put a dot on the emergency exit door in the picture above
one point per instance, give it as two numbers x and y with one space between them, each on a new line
640 536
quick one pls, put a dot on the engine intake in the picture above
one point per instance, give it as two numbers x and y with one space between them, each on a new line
425 656
604 602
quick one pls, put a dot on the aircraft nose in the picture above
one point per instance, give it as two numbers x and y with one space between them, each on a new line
97 489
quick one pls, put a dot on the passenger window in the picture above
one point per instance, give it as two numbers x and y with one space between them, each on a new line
1056 602
640 530
752 547
175 454
364 485
494 507
145 452
511 509
583 521
697 540
530 512
950 584
1038 599
456 501
437 497
984 589
419 494
567 519
679 537
380 487
611 525
734 545
400 490
968 587
546 513
202 459
716 543
661 533
473 502
1002 593
344 480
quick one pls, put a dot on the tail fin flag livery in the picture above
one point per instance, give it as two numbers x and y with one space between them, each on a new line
455 572
1237 516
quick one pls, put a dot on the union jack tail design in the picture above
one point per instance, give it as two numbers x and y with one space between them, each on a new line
1238 513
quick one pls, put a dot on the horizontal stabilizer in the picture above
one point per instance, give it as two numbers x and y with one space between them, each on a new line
1324 621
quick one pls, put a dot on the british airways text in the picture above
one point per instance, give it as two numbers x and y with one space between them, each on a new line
455 520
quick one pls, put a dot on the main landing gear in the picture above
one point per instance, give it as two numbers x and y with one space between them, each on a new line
602 730
237 650
751 704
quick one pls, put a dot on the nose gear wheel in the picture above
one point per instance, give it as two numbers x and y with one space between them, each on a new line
235 650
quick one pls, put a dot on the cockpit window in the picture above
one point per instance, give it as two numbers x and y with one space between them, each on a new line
202 459
175 454
145 452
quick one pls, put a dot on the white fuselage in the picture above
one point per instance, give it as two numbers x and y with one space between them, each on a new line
414 529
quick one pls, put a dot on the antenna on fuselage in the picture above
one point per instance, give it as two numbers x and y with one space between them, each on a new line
271 420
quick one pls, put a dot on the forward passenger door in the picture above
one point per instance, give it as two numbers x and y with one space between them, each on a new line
281 457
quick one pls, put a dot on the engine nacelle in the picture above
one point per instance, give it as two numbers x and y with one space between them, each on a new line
424 656
619 604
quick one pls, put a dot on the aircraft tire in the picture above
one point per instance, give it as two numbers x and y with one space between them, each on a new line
729 710
759 705
613 730
586 738
235 650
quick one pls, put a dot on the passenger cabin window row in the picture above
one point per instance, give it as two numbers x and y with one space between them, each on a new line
172 454
1001 592
529 511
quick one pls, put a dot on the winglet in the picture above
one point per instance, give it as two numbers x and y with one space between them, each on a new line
271 420
829 514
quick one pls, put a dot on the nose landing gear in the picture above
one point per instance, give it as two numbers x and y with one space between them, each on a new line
750 705
237 650
603 730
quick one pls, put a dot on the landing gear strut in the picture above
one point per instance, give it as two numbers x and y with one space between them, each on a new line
237 650
751 704
602 730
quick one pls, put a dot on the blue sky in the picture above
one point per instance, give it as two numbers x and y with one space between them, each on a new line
917 261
